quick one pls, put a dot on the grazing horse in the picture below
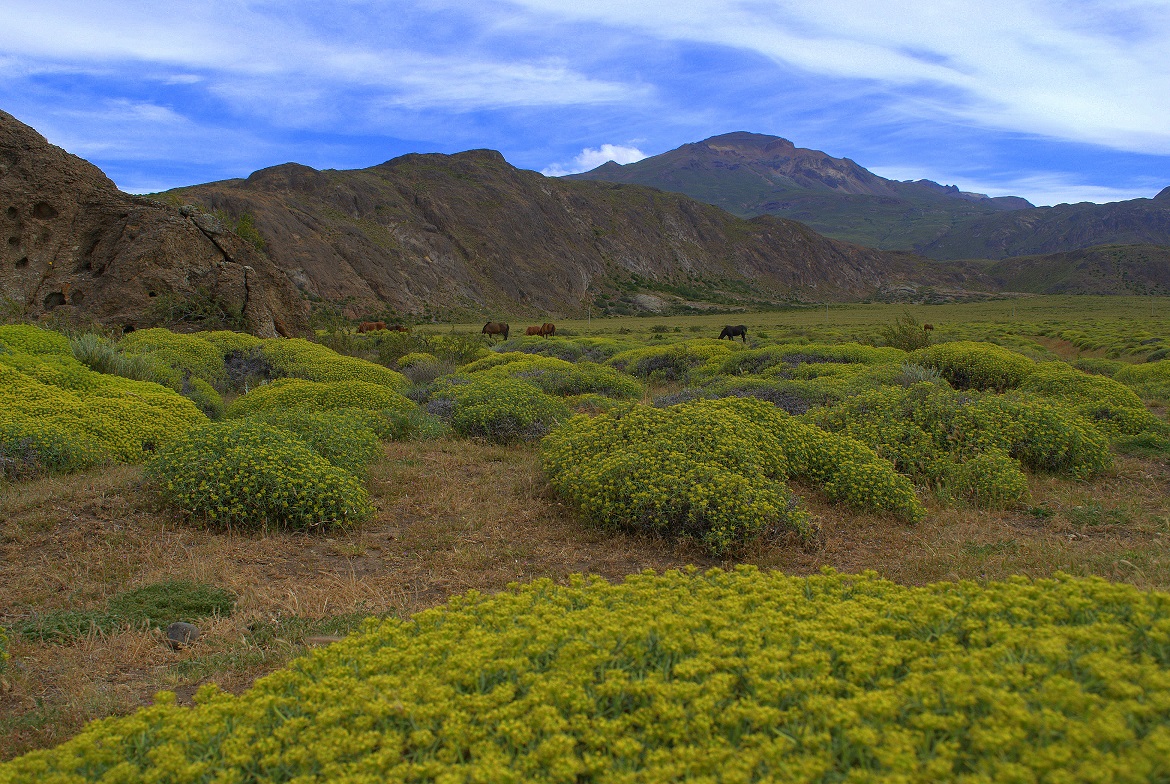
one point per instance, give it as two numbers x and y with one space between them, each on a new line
547 329
530 331
928 327
371 326
731 333
398 328
495 328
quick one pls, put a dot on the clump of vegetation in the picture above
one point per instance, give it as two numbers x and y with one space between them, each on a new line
346 437
500 409
828 677
252 475
394 411
561 378
969 365
157 605
928 430
298 358
712 470
905 333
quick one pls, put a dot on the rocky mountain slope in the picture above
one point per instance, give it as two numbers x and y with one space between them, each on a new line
1103 269
469 233
73 242
752 174
1065 227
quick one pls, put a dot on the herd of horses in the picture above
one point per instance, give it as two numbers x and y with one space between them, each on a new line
731 331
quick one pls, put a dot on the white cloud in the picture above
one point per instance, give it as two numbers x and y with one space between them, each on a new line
1065 70
592 157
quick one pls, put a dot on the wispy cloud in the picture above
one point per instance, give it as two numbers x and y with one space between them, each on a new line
1047 67
592 157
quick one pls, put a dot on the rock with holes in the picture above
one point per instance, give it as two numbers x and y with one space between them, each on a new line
70 240
181 634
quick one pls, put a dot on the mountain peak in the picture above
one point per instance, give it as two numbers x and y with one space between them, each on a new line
1164 194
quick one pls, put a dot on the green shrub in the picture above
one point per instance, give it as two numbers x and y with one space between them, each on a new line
905 333
299 358
253 475
60 416
712 470
500 409
968 365
1109 404
187 354
721 676
561 378
227 341
288 393
1151 380
416 358
675 362
927 429
27 339
345 437
992 480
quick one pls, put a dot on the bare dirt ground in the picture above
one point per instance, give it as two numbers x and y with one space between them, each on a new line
454 515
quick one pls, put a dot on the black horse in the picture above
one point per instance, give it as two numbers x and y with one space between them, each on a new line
731 333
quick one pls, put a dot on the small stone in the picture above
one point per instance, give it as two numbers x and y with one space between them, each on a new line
180 635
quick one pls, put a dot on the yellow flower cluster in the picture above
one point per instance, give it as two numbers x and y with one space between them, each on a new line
291 393
1151 380
558 377
346 437
253 475
712 470
190 355
57 415
738 676
500 408
928 431
1111 405
969 365
27 339
299 358
675 361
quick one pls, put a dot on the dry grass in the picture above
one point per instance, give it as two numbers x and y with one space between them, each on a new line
454 515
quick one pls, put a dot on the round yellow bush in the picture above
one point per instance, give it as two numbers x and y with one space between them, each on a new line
970 365
720 676
299 358
253 475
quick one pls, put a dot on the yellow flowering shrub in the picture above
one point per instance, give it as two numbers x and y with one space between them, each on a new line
187 354
592 349
675 361
927 430
227 341
1109 404
561 378
499 408
991 480
1151 380
253 475
346 437
67 417
712 470
394 412
27 339
970 365
733 676
299 358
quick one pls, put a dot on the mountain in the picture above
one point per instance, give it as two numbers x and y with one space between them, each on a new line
469 233
74 243
1065 227
1103 269
751 174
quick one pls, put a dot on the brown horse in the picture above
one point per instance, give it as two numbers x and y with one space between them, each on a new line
495 328
732 332
530 331
371 326
928 327
547 329
398 328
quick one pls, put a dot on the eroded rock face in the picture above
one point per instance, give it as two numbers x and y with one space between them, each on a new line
70 238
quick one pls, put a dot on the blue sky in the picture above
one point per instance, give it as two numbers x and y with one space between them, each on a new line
1053 100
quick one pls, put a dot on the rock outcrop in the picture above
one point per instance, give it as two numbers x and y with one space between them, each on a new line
70 239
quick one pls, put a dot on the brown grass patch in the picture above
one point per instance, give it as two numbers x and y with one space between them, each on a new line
455 515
